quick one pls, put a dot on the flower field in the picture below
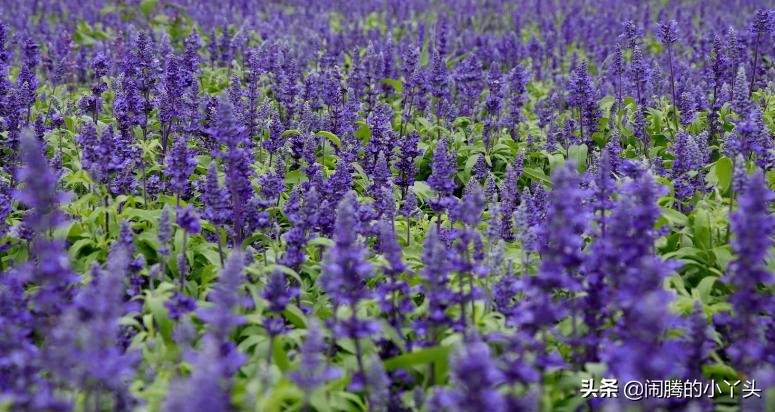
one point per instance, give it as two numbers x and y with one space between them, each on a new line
387 205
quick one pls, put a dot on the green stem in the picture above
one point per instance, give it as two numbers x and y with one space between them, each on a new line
755 61
184 260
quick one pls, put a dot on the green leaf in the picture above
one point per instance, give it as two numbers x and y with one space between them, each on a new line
330 136
605 104
75 249
579 155
294 315
284 391
720 174
279 355
470 162
156 306
436 355
704 288
556 160
674 217
537 175
147 6
461 122
363 131
701 228
290 132
723 256
397 84
719 369
284 269
294 177
422 190
210 252
321 241
150 216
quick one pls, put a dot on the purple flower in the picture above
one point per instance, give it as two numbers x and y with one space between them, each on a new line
165 232
126 241
21 383
208 372
441 180
188 220
475 378
668 32
84 348
180 163
393 292
494 99
439 81
762 22
583 97
634 276
753 226
469 210
39 192
277 292
90 150
383 136
631 32
408 151
409 205
480 169
689 159
214 197
313 370
237 160
380 176
435 288
179 305
26 79
346 269
220 317
468 83
639 73
698 341
561 242
517 81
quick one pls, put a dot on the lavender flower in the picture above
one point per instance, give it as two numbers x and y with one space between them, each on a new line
468 83
179 305
753 227
346 270
561 237
165 232
517 80
313 370
687 165
393 292
641 297
40 192
668 32
583 97
180 164
84 350
187 395
435 288
407 153
214 197
220 317
441 180
480 169
237 160
278 294
187 219
475 378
